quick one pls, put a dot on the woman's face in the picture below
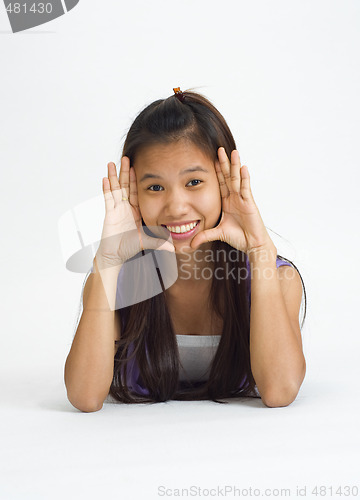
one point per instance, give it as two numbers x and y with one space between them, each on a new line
169 194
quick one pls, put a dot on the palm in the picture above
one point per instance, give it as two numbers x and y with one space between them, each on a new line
241 225
123 235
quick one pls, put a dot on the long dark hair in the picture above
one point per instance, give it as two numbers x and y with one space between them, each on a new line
146 327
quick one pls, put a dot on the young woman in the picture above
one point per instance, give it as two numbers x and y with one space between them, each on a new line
229 325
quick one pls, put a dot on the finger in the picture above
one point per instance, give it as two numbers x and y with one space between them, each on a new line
165 245
141 234
225 167
235 171
223 187
114 183
204 237
108 197
133 189
124 176
245 183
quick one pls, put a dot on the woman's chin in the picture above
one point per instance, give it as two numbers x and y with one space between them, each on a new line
182 247
186 248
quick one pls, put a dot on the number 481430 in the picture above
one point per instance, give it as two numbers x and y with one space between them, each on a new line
35 8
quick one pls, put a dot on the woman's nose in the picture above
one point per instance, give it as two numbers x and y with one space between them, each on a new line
176 204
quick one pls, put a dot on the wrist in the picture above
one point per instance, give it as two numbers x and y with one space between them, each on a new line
100 264
106 277
264 254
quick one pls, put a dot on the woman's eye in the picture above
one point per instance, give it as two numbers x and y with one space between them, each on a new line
157 185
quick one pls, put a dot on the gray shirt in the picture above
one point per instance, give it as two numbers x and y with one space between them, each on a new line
196 353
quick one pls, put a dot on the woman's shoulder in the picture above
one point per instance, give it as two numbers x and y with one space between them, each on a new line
280 261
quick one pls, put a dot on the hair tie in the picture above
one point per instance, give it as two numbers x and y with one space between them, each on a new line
179 94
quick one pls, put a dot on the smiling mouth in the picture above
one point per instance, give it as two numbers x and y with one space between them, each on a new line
178 228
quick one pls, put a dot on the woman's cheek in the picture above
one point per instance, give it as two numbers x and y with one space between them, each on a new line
211 208
146 211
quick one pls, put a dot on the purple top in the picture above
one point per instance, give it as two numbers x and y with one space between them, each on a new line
133 372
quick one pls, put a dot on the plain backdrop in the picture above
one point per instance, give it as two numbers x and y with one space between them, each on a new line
285 75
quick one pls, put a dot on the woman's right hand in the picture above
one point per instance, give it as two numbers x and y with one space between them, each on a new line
123 235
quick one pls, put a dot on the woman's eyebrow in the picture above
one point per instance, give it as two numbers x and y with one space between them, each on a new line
187 170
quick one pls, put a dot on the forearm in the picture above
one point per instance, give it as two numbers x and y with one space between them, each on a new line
277 360
90 363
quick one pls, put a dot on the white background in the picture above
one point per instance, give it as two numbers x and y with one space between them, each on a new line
285 75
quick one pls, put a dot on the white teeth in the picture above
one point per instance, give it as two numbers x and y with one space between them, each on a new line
182 229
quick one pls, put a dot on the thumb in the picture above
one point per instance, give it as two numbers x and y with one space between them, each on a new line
165 245
158 244
204 237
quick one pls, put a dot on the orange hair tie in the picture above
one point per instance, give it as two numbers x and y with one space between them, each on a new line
179 94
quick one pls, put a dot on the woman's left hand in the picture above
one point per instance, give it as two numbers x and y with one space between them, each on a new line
241 225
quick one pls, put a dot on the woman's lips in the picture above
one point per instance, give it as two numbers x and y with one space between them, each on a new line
183 236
